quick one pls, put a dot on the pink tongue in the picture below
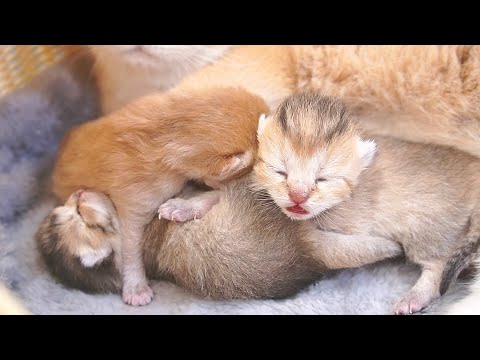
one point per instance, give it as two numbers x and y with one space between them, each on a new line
297 209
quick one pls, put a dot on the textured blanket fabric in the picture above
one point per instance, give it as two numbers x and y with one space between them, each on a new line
32 122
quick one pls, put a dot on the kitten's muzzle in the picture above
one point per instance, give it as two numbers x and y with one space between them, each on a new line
298 196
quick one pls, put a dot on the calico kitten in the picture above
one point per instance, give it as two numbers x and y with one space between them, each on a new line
315 165
243 248
220 256
144 153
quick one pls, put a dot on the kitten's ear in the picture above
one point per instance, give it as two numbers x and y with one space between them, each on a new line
236 165
366 150
262 122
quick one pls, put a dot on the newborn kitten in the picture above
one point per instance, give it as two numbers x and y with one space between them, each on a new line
315 165
146 69
144 154
244 247
221 256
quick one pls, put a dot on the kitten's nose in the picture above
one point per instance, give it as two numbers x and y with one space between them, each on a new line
298 197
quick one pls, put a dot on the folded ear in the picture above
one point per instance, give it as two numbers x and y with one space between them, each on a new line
236 165
262 122
366 150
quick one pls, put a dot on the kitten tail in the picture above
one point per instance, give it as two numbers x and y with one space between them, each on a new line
464 254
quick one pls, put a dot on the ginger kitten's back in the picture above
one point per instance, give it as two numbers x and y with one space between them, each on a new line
184 133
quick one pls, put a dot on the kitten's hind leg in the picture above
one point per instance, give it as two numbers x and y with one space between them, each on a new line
341 251
181 210
425 290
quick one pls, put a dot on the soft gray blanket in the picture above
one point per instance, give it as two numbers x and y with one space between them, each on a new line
32 122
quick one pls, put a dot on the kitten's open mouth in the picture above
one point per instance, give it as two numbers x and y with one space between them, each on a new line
297 209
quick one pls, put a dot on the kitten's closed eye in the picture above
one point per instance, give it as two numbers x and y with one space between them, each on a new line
329 179
279 172
96 220
283 173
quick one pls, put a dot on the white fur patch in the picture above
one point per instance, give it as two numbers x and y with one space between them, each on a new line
366 150
262 122
89 256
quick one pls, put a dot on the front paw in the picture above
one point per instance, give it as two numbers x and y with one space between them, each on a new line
178 210
137 296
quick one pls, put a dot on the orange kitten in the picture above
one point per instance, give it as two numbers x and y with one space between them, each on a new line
315 165
144 153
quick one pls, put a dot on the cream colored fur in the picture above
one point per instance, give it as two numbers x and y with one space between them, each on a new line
425 197
126 72
419 93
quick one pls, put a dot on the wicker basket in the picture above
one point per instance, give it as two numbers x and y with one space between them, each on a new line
20 63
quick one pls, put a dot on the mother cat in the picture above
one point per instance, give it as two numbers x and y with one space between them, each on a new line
417 93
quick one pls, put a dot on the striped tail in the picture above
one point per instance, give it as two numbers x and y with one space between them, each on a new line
464 254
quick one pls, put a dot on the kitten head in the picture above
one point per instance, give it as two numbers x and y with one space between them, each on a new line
158 57
310 155
76 241
218 135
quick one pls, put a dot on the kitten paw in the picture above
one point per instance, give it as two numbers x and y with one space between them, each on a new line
137 296
413 302
178 210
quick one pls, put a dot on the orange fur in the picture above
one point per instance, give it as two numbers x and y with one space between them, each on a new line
144 153
426 94
157 136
